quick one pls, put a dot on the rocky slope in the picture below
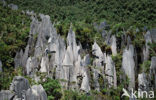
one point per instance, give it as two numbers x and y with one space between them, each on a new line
66 60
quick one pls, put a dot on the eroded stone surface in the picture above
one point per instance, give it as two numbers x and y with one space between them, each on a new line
146 48
128 64
13 6
18 59
143 81
113 45
36 92
98 55
19 85
6 95
1 66
153 35
153 70
110 72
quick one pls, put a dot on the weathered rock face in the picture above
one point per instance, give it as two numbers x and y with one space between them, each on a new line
31 65
6 95
108 38
153 71
104 34
153 35
44 64
19 85
103 25
98 55
86 60
113 45
98 62
13 6
85 86
25 56
128 41
18 59
36 92
110 72
146 49
61 49
128 65
143 82
1 66
95 78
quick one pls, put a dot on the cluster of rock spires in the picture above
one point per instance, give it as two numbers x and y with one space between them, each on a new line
47 52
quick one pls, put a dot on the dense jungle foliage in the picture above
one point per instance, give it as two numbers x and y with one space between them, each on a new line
14 30
132 12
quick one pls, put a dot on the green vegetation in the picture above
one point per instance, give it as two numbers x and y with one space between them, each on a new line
119 14
92 95
75 95
117 59
115 93
52 88
14 29
7 76
145 67
152 49
138 12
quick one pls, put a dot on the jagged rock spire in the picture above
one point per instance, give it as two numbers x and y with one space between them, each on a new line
128 64
97 53
110 72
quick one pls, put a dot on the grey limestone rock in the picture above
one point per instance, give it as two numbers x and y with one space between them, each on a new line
98 55
19 85
85 86
44 64
143 82
95 78
153 35
113 45
31 65
25 56
13 6
110 72
1 66
36 92
146 48
153 70
86 60
6 95
128 64
18 59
